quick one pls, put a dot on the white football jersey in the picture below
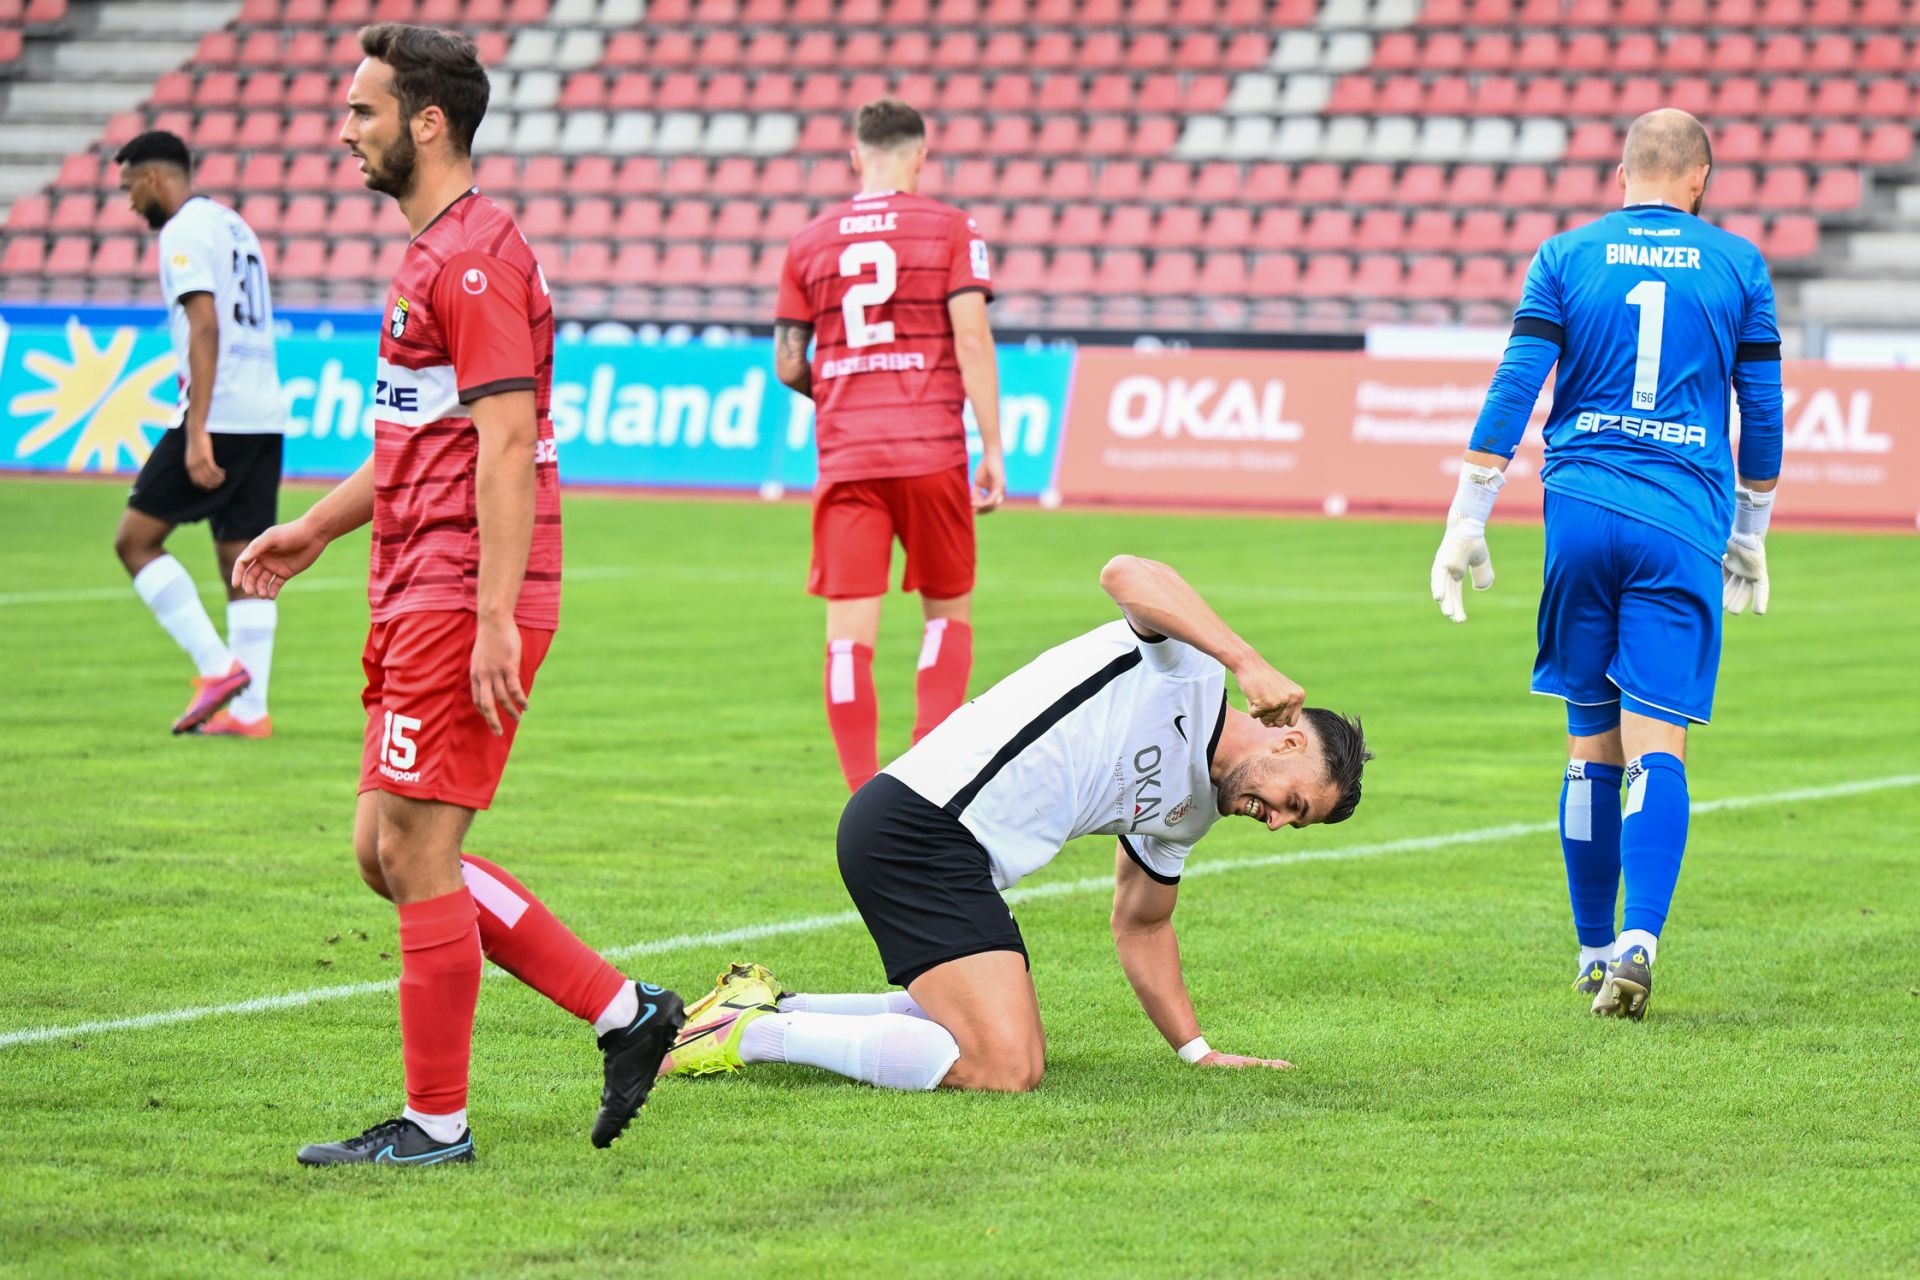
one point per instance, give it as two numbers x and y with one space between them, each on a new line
207 248
1107 733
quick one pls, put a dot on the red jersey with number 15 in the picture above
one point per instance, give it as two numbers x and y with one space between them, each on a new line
873 276
468 317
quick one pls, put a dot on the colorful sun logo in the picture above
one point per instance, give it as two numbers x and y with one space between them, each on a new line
94 392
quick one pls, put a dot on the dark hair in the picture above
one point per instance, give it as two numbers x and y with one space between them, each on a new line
432 69
1343 746
888 122
160 146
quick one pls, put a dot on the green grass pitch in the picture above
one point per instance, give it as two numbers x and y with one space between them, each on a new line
1455 1110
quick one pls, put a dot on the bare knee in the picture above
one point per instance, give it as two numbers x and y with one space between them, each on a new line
366 852
1010 1070
137 548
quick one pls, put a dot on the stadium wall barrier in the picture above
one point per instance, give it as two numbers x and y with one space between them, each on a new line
92 398
1341 433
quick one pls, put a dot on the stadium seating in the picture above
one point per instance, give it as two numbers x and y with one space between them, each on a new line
1220 163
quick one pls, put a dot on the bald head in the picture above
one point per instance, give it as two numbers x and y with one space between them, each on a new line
1666 160
1665 144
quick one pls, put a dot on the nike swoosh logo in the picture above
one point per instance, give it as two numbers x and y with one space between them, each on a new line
1177 729
644 1018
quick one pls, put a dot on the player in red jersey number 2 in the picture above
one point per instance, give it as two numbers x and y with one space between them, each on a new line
893 288
463 492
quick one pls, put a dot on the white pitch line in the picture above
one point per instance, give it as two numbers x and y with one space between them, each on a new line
93 595
816 924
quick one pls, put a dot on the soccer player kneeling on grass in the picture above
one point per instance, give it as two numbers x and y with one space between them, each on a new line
464 496
1125 731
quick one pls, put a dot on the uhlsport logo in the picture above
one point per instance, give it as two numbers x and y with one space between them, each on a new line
474 281
92 396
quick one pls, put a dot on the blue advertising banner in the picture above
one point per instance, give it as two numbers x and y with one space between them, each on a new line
86 397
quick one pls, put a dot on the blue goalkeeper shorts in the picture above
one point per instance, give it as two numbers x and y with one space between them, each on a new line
1630 617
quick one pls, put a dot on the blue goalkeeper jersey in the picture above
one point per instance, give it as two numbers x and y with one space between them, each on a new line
1653 312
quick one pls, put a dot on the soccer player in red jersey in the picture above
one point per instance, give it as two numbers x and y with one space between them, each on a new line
892 288
463 492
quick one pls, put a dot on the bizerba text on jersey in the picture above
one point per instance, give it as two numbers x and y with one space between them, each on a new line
878 362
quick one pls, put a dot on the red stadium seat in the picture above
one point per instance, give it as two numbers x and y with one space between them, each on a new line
1836 191
1378 275
75 213
1065 180
29 213
1422 184
1178 227
1482 231
1318 183
1889 144
1328 275
1174 271
1275 275
1229 227
25 256
1430 231
1472 184
1529 230
1278 228
1121 271
1370 184
1732 187
1383 230
1433 277
1224 273
1793 237
302 260
1329 229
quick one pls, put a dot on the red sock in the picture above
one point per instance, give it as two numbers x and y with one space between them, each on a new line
853 712
439 986
946 660
520 935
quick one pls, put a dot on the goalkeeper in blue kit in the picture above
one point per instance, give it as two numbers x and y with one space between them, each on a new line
1653 316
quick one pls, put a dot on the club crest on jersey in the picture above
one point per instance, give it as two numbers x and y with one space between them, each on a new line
397 322
1179 811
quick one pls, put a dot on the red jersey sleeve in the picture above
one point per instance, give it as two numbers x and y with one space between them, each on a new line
481 304
967 266
793 306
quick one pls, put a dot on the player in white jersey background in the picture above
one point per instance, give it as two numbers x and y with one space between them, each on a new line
1122 731
220 462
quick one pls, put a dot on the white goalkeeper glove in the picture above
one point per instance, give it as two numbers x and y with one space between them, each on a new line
1463 548
1743 569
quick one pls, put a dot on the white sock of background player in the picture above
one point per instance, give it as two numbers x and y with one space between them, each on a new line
891 1050
856 1003
169 591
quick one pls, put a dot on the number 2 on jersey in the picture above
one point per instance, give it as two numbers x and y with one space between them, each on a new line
1651 297
854 261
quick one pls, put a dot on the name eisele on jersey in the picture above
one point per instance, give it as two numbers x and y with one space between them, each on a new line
1652 255
1647 428
867 224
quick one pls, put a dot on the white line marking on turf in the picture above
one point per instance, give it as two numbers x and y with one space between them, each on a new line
815 924
90 595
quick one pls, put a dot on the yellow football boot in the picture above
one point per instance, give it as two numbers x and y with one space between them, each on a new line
709 1043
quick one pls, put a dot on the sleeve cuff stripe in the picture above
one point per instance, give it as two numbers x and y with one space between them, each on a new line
1532 327
469 394
1153 875
1757 352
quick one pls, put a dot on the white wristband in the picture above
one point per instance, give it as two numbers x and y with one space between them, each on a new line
1473 500
1751 511
1194 1049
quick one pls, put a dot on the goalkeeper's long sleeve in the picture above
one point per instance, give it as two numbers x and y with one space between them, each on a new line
1512 393
1757 384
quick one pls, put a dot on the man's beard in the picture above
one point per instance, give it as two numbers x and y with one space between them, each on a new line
155 217
394 176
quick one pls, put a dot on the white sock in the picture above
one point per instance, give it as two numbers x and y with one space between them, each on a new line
1637 938
859 1003
445 1128
250 626
890 1050
169 591
620 1011
1589 954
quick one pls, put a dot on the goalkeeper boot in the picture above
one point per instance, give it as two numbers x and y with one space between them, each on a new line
1591 977
1628 985
632 1059
710 1042
396 1142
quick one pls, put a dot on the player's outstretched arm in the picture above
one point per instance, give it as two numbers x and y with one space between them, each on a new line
980 375
287 549
1150 954
1159 602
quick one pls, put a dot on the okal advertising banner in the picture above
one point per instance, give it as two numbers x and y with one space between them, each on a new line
1360 433
80 398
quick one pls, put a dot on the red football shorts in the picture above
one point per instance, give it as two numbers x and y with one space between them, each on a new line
425 738
856 521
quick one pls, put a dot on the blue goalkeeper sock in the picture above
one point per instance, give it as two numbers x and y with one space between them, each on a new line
1652 837
1590 840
